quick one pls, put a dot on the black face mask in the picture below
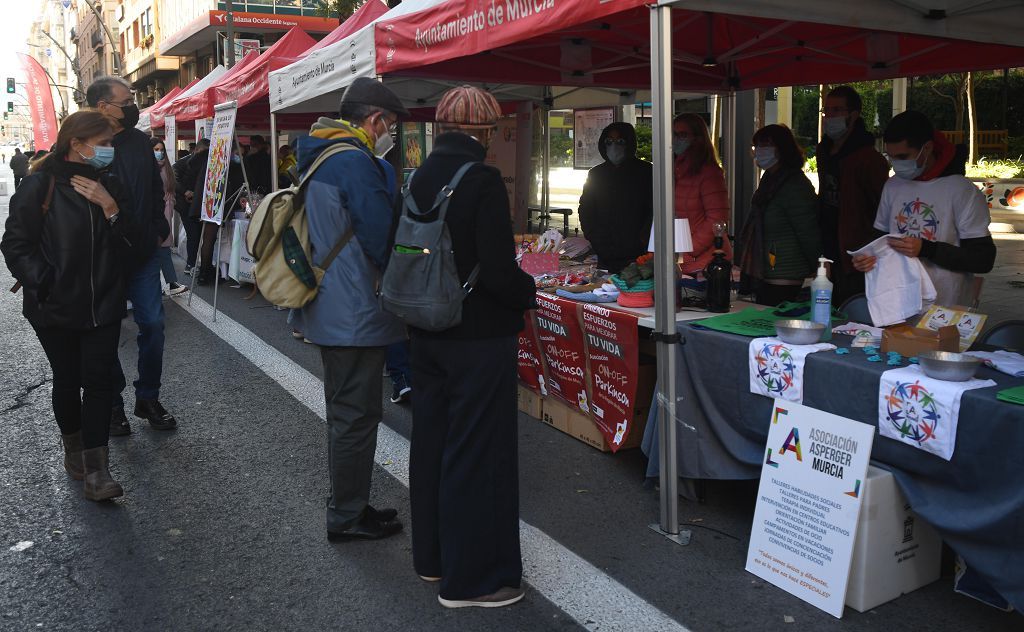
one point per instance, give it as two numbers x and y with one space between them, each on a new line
131 116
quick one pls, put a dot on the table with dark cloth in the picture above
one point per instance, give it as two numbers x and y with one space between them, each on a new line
975 501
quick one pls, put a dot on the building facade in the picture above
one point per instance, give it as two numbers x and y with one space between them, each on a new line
97 55
139 36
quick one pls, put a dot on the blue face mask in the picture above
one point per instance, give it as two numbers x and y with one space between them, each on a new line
680 145
159 155
235 158
765 157
908 169
101 157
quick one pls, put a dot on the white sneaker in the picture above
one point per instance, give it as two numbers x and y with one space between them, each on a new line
173 289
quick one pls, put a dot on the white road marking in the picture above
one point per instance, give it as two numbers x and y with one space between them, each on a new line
575 586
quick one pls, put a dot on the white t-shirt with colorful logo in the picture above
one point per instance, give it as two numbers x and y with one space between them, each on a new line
946 209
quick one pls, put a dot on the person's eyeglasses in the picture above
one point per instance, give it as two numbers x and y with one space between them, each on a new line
614 141
839 110
122 105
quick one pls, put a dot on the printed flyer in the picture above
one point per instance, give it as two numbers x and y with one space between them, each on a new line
612 347
808 503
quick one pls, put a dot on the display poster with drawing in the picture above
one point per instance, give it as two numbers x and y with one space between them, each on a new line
414 145
215 186
808 503
586 133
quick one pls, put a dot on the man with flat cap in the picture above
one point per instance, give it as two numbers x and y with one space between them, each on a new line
349 202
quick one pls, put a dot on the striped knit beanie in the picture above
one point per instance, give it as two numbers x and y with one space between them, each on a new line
468 107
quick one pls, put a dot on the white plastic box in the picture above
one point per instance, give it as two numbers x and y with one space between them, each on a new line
895 551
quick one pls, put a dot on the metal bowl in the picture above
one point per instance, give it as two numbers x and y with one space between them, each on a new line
948 366
799 332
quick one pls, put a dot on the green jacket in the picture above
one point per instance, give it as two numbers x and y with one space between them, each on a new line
791 230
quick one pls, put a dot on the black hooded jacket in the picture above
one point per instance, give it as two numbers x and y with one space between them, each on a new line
616 207
72 262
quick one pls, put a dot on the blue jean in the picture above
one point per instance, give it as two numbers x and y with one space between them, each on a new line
398 363
146 295
163 254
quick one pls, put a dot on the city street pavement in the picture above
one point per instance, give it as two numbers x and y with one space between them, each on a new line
222 522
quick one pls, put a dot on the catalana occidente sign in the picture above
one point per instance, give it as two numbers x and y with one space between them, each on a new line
808 503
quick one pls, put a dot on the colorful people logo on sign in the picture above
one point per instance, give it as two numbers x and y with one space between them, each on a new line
775 368
918 219
912 411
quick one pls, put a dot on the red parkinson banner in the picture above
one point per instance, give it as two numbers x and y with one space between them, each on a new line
613 350
40 103
563 349
531 367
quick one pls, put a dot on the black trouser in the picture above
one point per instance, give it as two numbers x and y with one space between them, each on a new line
354 393
210 233
193 232
83 388
464 465
772 295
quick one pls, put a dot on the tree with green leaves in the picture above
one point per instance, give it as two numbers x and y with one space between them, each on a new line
341 9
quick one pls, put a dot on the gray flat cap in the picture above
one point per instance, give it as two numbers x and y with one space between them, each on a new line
366 91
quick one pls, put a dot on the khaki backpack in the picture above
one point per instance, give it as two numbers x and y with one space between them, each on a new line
278 239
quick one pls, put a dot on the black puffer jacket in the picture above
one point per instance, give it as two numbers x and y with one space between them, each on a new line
481 230
72 262
617 204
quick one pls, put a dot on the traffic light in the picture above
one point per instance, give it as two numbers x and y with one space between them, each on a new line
5 116
10 106
10 85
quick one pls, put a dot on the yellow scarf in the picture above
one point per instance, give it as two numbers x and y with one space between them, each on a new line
342 129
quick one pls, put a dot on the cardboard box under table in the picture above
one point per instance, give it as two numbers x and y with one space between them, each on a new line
577 424
895 551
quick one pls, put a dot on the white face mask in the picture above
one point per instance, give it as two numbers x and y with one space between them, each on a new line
383 144
765 157
834 126
908 169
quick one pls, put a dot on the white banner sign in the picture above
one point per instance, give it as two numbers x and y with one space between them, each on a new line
808 503
221 147
171 138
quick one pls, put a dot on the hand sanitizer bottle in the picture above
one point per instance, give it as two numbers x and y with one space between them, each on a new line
821 299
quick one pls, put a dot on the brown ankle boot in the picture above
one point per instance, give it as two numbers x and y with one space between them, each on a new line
73 455
98 483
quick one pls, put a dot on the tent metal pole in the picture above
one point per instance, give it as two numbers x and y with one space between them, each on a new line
273 152
666 334
545 191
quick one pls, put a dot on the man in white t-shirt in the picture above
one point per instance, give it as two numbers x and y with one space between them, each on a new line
941 216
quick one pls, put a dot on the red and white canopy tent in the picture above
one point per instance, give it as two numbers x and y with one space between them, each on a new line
708 45
145 121
245 83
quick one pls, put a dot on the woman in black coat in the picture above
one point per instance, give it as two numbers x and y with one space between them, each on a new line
68 238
